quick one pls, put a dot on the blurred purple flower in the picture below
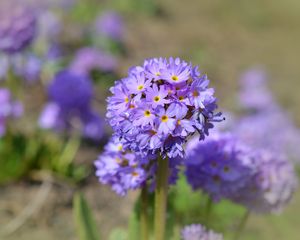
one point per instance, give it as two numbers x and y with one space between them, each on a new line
25 66
254 93
8 109
220 165
50 26
110 24
273 130
17 26
70 97
88 59
123 170
199 232
272 187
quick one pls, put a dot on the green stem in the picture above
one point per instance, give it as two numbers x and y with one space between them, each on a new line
144 213
208 209
242 225
161 192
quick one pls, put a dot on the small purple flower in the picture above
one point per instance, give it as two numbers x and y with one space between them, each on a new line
154 67
8 109
88 59
254 93
166 121
29 67
157 96
25 66
177 72
17 26
199 93
144 115
199 232
110 25
153 113
138 84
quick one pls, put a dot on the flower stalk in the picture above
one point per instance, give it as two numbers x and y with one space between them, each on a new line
242 225
144 213
161 192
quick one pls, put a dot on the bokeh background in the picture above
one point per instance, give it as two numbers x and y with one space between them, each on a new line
225 37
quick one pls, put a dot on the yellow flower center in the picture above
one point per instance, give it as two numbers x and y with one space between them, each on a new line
157 74
181 98
178 122
213 164
216 179
164 118
152 132
147 113
120 147
156 99
174 78
124 163
126 99
195 93
140 87
226 169
134 174
131 106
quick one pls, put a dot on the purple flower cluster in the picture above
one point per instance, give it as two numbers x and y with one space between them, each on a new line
254 93
121 169
273 130
17 26
25 66
220 165
8 109
88 59
223 167
70 106
160 104
199 232
110 25
266 125
125 170
272 186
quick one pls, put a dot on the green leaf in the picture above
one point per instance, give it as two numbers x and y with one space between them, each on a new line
118 234
85 223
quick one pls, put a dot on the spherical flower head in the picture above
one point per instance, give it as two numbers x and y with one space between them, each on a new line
272 187
199 232
17 26
160 104
261 130
8 109
254 93
70 106
110 24
88 59
220 165
70 91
